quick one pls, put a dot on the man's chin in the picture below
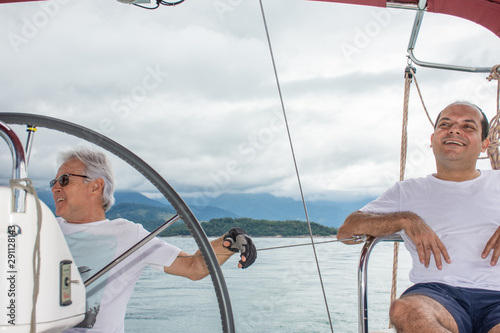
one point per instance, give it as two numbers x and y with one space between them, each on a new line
59 212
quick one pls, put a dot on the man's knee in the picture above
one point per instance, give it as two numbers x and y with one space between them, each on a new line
407 310
418 313
400 310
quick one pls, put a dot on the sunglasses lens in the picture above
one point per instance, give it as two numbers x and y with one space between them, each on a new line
64 180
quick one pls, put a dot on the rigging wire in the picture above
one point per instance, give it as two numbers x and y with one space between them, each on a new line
355 239
295 161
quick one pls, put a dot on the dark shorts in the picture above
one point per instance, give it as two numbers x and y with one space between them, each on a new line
474 310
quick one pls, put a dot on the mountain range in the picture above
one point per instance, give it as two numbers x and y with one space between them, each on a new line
255 206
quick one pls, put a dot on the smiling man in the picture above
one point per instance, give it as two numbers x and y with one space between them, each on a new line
83 192
460 134
450 222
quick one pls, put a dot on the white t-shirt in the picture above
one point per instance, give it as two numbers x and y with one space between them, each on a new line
464 215
93 246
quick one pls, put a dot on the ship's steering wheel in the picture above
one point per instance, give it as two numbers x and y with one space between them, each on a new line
168 192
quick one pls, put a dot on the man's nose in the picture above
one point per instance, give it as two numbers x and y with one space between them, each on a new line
56 187
455 128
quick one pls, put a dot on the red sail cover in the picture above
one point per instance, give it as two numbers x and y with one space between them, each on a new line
483 12
6 1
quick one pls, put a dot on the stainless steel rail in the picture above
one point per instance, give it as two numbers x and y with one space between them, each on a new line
413 40
18 165
363 277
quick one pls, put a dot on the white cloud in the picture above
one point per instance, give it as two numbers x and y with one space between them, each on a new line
191 90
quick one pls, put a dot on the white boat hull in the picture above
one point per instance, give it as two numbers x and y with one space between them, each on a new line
61 298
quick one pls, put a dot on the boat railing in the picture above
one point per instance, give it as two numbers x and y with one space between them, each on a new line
413 41
18 164
363 277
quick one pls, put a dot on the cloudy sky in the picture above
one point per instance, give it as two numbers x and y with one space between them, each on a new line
191 90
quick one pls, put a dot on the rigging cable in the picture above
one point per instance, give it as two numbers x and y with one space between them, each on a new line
413 71
356 239
295 161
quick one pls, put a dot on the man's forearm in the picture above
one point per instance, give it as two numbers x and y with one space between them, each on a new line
222 254
194 266
426 241
359 223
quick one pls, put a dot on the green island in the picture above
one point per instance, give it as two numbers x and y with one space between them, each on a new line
255 228
152 217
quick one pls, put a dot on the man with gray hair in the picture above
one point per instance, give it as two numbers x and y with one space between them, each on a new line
83 192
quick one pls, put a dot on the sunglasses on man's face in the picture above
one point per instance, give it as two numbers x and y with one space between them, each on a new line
64 179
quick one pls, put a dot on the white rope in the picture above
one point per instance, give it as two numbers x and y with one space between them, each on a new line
409 73
29 188
494 133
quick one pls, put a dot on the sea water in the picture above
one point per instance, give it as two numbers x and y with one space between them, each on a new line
281 292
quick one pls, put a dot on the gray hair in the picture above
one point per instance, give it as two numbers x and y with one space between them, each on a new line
97 165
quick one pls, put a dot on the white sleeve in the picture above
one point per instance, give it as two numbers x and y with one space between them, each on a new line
157 253
388 202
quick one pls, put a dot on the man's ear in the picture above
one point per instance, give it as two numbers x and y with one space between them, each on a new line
98 185
485 144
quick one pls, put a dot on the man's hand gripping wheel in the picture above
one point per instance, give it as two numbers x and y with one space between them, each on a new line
237 240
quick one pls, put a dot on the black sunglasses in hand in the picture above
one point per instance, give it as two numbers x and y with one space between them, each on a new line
64 179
